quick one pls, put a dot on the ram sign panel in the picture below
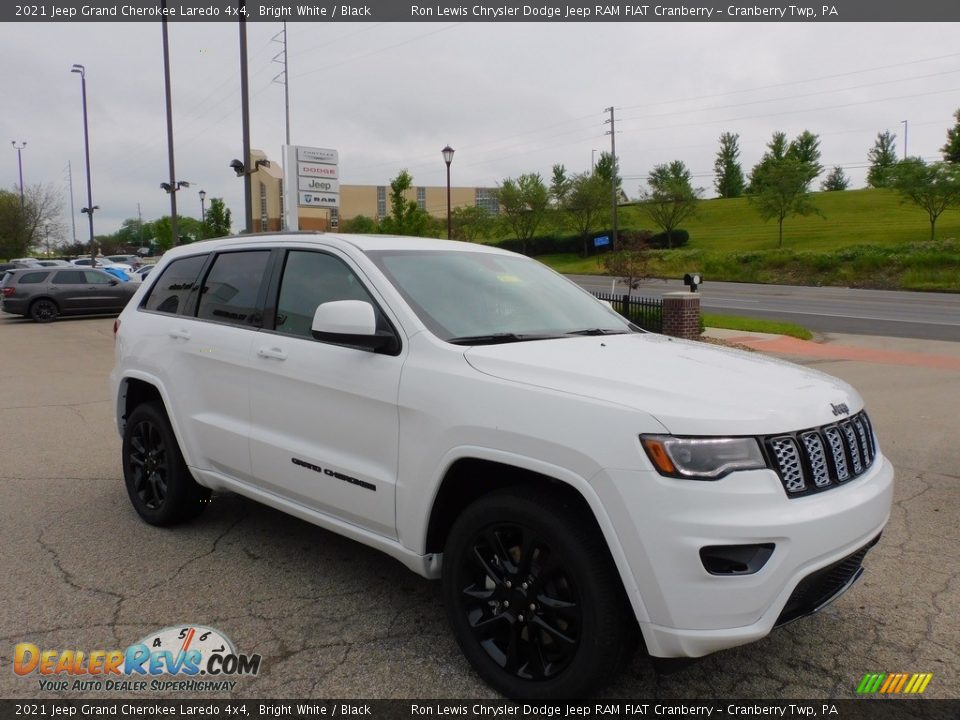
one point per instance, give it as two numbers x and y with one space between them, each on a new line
318 199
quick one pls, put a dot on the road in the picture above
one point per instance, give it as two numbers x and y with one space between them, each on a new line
335 619
891 313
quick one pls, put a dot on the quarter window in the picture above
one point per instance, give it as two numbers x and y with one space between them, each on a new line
232 287
170 292
95 277
32 278
309 280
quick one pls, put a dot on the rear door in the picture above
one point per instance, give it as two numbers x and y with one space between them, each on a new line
324 420
201 335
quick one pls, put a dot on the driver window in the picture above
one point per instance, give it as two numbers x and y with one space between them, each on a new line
309 280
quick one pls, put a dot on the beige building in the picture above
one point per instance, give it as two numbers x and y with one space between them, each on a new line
370 200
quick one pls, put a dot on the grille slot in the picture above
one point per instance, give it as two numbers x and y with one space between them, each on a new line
821 458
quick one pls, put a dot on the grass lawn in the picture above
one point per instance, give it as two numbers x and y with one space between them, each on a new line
733 322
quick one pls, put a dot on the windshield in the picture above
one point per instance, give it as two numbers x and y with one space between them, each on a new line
476 297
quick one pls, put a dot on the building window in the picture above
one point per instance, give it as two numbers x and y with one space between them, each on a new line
381 202
263 207
486 198
422 198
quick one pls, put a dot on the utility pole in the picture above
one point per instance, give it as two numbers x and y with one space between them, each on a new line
613 182
73 217
172 189
286 107
19 148
245 117
904 139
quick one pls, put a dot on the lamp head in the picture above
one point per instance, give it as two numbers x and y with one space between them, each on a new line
203 194
78 69
447 154
237 167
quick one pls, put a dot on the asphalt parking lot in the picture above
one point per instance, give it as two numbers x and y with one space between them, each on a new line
334 619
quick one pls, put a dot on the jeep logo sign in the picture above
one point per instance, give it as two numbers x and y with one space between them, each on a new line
840 409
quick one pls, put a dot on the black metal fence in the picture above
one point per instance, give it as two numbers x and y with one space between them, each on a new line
643 311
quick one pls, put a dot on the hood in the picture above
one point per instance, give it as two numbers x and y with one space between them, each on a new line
692 388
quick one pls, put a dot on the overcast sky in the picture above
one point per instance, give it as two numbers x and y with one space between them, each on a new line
510 98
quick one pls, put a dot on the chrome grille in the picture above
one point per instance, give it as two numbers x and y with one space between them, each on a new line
823 457
788 460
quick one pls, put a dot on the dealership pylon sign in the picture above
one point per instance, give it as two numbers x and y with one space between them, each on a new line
312 176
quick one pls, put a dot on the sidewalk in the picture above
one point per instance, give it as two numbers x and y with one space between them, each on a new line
937 354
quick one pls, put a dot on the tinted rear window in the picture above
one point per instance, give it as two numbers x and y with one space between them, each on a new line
33 278
170 291
232 287
69 277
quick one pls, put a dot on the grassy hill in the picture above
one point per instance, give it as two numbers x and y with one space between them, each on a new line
863 238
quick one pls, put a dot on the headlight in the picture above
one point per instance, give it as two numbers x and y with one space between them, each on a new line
702 458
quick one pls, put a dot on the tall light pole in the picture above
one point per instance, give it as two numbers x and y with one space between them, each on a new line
173 185
593 164
19 148
904 122
245 119
448 158
86 144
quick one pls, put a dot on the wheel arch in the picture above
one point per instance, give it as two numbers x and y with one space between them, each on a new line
135 389
470 477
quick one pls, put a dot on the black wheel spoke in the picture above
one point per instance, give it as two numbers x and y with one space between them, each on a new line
559 608
486 628
481 595
555 633
501 552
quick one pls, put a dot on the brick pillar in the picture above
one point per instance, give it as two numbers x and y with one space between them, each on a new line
681 315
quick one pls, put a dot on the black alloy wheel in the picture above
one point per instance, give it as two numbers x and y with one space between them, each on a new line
533 596
523 608
149 464
159 484
44 310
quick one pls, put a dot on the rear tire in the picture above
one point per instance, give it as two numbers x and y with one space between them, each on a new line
534 598
161 488
44 310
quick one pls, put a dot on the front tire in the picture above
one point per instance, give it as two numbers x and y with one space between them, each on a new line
158 482
44 310
534 598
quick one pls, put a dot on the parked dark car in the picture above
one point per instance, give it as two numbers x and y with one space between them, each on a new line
46 293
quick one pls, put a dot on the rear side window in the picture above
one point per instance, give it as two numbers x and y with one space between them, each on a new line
69 277
32 278
170 291
95 277
232 288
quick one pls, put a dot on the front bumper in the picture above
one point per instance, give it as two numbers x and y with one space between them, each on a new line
661 524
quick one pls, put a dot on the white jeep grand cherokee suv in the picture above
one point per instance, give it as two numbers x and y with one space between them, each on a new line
571 478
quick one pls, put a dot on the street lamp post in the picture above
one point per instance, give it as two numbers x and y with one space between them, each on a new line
203 213
86 144
904 122
19 148
448 158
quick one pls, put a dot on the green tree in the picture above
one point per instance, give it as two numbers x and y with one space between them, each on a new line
934 188
630 262
523 204
22 226
406 217
472 223
951 151
559 185
883 158
780 190
806 148
587 201
776 151
359 224
672 198
606 170
728 175
218 219
836 180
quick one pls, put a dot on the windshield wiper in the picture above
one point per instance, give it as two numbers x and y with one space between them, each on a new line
596 331
496 339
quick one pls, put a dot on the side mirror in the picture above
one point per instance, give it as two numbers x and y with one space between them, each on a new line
352 323
114 282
